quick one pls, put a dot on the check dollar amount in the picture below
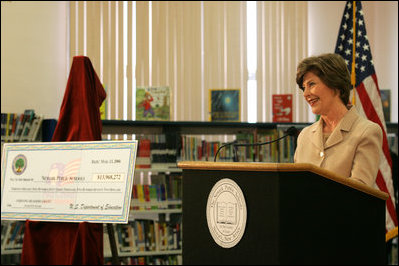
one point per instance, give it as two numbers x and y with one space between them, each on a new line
68 181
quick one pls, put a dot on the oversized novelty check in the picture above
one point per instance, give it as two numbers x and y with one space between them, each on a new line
68 181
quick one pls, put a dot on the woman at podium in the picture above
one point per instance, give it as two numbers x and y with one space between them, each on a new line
341 141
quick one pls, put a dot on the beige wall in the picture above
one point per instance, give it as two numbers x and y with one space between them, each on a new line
382 29
35 59
33 56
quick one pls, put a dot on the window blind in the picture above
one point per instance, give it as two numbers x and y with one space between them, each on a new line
190 46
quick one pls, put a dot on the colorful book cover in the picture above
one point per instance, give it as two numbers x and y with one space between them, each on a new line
153 103
140 196
224 105
147 199
282 108
35 127
103 106
139 229
30 115
18 130
153 196
143 159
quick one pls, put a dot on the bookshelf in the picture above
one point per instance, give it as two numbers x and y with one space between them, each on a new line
221 131
17 127
24 127
201 128
153 233
227 131
193 139
169 210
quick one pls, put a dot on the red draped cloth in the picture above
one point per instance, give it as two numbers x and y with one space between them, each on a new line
58 243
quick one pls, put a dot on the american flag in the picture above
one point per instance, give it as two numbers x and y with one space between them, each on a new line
367 94
71 169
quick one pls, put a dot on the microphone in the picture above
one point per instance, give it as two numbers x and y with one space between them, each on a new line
291 131
235 157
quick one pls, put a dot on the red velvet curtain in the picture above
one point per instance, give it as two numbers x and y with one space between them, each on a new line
58 243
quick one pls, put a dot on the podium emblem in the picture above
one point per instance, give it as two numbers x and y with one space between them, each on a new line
226 213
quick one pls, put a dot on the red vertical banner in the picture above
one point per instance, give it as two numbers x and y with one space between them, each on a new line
282 108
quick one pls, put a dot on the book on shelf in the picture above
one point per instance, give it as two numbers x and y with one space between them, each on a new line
150 236
3 126
15 127
153 103
174 188
393 142
224 105
282 108
268 152
194 148
172 259
139 229
146 190
163 158
30 115
134 202
35 128
132 237
140 196
245 153
139 204
12 235
103 106
153 196
106 243
163 150
159 181
125 237
18 127
8 127
143 159
143 235
286 147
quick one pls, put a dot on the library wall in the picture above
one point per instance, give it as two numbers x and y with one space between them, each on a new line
35 58
381 25
34 65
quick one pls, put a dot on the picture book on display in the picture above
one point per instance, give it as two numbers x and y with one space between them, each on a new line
103 107
153 103
282 108
224 105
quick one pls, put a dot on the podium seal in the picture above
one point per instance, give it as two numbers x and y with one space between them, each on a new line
226 213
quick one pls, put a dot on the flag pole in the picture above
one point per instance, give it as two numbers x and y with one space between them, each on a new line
353 74
391 234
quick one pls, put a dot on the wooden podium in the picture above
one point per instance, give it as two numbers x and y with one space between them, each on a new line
296 214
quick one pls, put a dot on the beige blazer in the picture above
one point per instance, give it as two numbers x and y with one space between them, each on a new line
352 150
